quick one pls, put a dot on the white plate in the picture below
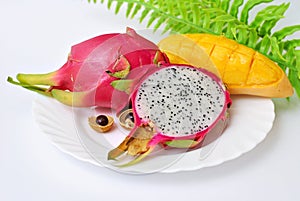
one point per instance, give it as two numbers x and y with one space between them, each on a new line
251 118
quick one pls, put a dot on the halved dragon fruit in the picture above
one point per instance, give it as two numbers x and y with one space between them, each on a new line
175 106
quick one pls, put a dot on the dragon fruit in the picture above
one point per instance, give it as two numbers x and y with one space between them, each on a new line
85 79
175 106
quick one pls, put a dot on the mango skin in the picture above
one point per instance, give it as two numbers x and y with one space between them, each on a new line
242 69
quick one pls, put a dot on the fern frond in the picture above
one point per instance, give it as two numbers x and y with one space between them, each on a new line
224 17
248 6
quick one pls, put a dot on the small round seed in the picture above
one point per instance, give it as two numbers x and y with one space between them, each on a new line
130 116
102 120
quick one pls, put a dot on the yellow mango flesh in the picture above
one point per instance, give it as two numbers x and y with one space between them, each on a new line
243 70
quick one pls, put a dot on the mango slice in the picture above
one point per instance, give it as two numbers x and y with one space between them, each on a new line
242 69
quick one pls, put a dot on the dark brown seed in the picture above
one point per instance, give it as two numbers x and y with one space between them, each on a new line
102 120
130 116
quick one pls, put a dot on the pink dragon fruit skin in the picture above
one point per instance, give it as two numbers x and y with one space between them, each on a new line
62 78
85 79
154 104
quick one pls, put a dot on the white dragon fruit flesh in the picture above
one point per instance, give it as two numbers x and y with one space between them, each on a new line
177 106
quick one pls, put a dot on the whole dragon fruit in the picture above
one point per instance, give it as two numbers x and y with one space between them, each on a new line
92 66
176 106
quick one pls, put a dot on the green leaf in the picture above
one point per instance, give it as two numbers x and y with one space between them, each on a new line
183 10
275 50
218 28
297 62
206 21
136 9
109 3
294 78
118 6
265 14
248 6
229 30
152 18
286 31
224 18
159 23
225 5
242 36
264 45
144 14
269 23
253 38
129 8
235 7
292 43
40 90
195 13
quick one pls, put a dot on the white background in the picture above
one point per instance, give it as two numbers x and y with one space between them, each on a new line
35 37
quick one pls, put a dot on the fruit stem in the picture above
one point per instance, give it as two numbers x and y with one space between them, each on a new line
70 98
40 90
37 79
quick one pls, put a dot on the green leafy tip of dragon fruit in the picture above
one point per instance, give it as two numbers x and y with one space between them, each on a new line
224 17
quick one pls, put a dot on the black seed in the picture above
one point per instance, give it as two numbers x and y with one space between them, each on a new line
102 120
228 105
130 116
